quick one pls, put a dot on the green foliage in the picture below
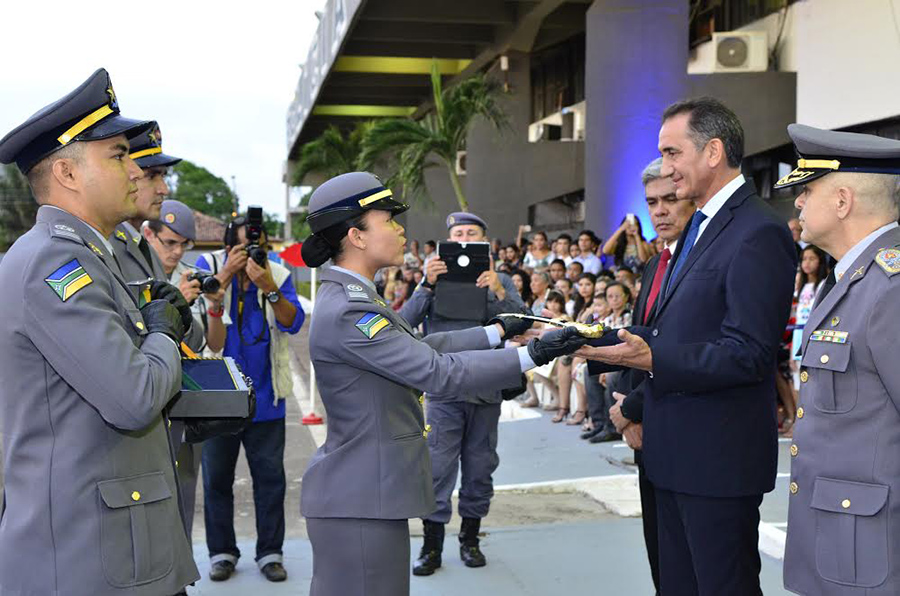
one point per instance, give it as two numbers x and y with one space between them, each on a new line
200 189
273 225
416 145
331 154
18 208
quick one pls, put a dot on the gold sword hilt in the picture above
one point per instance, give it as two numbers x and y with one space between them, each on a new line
590 331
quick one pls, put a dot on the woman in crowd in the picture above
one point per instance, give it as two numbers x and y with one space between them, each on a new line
618 296
564 287
627 245
539 255
522 281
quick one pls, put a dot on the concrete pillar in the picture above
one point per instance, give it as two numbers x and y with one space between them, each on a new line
637 54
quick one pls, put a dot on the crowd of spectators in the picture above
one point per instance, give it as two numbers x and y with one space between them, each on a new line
585 279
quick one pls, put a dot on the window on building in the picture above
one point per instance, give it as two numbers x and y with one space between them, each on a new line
709 16
557 77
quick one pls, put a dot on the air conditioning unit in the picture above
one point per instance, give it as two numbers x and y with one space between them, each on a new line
741 51
460 163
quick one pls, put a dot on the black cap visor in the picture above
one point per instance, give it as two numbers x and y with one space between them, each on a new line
114 125
324 219
159 160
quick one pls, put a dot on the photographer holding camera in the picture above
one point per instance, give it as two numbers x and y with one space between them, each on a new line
259 310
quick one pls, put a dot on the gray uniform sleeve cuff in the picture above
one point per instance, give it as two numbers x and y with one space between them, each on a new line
525 361
177 347
493 335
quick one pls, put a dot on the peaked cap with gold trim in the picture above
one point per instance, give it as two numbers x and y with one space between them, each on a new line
822 152
89 113
348 195
146 150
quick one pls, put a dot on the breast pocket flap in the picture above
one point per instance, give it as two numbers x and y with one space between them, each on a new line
827 355
844 496
135 490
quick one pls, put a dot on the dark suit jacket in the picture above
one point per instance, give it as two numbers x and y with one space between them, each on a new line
709 407
633 405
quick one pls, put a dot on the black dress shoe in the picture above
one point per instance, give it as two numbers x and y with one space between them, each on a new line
274 572
430 556
590 433
472 556
605 437
221 570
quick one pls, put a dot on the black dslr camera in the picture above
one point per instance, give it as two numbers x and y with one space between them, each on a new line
208 283
254 233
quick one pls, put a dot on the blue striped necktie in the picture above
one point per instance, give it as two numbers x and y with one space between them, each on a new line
689 241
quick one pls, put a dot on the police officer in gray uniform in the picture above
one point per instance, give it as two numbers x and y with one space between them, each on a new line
136 257
843 531
465 427
374 473
91 492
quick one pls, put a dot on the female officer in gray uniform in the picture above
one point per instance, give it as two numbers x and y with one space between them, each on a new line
373 473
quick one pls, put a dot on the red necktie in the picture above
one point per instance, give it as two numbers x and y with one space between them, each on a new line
657 281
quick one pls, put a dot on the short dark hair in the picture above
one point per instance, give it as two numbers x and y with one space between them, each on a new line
564 236
555 261
579 263
155 225
711 119
431 243
588 233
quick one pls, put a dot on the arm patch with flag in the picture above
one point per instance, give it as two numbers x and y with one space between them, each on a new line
371 323
68 279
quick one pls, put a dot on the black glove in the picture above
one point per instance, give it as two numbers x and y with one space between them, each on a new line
512 326
161 290
197 430
161 317
555 343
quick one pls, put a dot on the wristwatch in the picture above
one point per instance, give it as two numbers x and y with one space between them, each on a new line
273 297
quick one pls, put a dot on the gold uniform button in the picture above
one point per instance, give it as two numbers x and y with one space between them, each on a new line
845 503
799 412
824 359
794 450
135 496
426 431
139 325
794 488
421 400
170 424
804 376
835 321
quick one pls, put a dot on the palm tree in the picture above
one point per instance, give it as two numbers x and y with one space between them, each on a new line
441 133
331 154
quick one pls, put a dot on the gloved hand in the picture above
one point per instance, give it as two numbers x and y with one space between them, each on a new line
197 430
161 290
512 326
555 343
161 317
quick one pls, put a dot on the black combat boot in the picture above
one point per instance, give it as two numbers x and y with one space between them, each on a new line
469 552
430 555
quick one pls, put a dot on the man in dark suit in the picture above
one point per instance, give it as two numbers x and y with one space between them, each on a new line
709 431
670 216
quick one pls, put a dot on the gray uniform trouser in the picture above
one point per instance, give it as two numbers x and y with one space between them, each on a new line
463 435
359 556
